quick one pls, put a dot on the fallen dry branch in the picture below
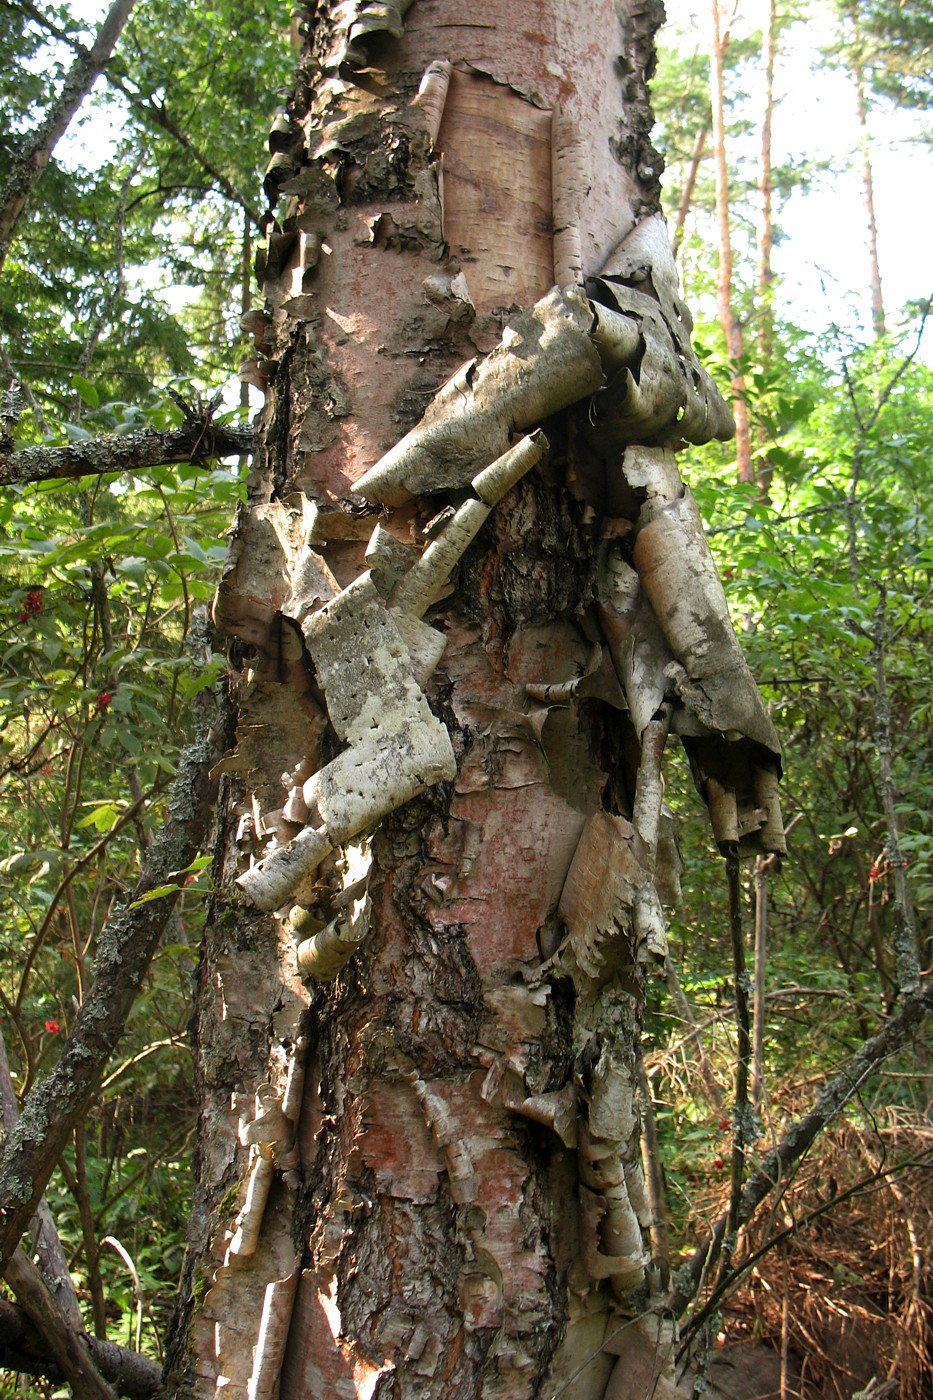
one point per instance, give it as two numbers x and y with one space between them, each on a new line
849 1281
23 1350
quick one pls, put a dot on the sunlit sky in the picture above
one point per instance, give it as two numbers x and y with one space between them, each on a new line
822 260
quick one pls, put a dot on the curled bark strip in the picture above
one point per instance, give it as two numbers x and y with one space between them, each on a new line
324 954
249 1221
545 362
571 178
649 787
640 280
372 686
554 355
270 1137
681 582
432 95
278 1304
424 583
396 747
271 881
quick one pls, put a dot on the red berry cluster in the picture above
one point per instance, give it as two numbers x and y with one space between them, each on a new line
32 605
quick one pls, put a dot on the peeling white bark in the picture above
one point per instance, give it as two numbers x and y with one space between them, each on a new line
615 350
372 686
571 177
546 360
432 95
553 356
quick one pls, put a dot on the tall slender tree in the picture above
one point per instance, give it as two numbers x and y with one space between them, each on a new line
732 330
855 60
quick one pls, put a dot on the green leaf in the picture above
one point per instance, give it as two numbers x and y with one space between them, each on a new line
102 817
161 892
85 390
199 863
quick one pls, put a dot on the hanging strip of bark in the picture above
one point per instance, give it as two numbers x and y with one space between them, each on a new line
29 163
124 950
136 452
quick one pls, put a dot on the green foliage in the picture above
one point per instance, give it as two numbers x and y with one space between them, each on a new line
847 442
104 650
897 47
131 250
125 274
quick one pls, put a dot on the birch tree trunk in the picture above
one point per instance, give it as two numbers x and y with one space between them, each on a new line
468 601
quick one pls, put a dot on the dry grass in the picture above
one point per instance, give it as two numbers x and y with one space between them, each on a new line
847 1294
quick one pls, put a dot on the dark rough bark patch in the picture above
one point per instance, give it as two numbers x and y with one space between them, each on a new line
636 63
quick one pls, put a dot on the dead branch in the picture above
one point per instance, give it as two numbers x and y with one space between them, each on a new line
62 1343
23 1349
193 442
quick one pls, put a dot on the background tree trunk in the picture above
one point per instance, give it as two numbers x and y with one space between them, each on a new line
731 327
855 58
418 1172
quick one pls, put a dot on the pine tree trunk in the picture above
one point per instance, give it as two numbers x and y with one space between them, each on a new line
868 183
731 328
765 289
444 853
